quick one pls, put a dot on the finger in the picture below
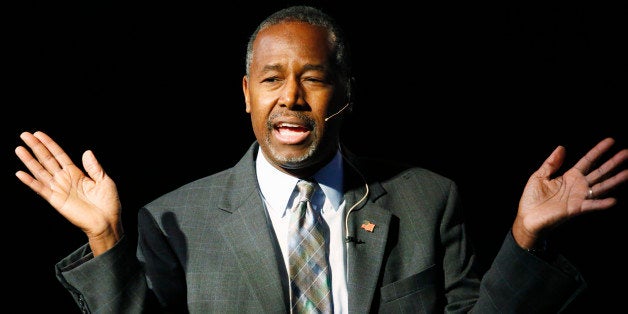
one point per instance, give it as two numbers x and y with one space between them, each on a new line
35 185
605 186
33 165
597 204
598 174
552 163
41 152
584 164
60 156
93 167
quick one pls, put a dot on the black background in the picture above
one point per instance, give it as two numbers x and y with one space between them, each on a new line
481 93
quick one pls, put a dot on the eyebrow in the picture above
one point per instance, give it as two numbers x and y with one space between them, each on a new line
271 67
307 67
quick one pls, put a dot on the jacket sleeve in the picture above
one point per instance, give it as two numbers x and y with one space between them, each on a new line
110 283
520 282
517 281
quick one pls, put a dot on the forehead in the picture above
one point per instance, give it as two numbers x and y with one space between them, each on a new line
296 40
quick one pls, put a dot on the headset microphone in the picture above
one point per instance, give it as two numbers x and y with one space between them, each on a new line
339 111
349 87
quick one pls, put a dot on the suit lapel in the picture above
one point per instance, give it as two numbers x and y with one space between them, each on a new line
255 249
251 237
369 226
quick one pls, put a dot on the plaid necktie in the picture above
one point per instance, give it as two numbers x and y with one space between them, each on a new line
308 270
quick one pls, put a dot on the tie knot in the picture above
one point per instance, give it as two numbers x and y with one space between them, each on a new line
306 188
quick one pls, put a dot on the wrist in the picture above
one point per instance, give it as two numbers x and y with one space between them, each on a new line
543 250
538 249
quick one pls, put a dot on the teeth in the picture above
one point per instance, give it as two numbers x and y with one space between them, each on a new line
288 125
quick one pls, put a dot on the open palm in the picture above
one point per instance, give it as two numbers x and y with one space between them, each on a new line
90 201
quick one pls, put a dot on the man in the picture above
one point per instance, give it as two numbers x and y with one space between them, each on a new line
394 235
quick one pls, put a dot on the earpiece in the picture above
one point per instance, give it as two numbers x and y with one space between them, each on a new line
349 99
348 237
339 111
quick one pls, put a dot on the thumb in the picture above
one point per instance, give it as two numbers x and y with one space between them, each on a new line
93 167
552 163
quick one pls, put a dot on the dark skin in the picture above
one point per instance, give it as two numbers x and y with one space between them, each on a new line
291 89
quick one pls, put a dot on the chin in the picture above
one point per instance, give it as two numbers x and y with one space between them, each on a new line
292 156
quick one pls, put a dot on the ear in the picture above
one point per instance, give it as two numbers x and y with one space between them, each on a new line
245 90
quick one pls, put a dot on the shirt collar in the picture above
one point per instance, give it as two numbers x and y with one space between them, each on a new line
277 187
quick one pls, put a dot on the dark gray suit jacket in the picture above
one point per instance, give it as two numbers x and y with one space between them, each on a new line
208 247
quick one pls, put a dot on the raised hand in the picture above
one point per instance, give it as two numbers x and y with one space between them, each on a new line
549 200
89 202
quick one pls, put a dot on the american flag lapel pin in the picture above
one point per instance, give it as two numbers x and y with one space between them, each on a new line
368 226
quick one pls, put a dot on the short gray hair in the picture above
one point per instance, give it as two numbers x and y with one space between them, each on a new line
312 16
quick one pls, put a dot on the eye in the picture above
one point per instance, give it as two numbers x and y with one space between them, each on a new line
270 79
314 79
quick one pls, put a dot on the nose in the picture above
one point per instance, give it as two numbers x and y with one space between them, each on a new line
292 94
